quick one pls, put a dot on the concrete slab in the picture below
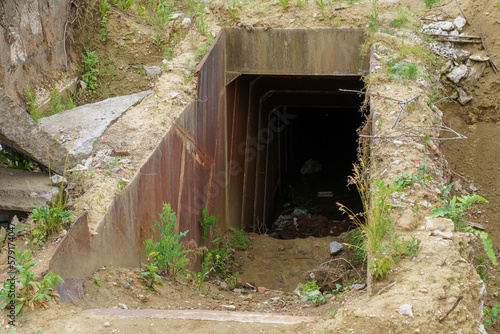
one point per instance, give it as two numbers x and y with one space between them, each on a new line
80 127
21 190
20 132
253 317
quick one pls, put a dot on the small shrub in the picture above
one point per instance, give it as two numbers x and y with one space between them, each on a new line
284 3
490 315
54 101
454 208
31 104
401 19
103 9
166 252
31 293
239 241
311 293
47 220
205 223
430 3
90 70
13 161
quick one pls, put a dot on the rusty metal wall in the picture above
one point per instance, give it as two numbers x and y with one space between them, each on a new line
212 156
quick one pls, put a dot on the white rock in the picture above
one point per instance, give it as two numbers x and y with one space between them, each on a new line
475 72
57 179
122 306
463 96
186 21
335 247
106 324
459 23
457 73
444 235
229 307
173 95
177 15
480 56
406 309
443 25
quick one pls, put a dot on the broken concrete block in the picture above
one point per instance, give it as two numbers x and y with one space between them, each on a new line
444 235
152 71
459 23
475 72
480 56
20 132
443 25
22 190
82 125
457 73
463 96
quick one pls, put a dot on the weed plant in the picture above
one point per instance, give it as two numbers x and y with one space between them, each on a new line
26 290
12 161
31 104
104 11
166 253
90 70
311 293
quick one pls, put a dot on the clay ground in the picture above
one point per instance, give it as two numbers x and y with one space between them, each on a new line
475 159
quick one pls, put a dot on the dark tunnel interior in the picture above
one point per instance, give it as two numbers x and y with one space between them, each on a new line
304 130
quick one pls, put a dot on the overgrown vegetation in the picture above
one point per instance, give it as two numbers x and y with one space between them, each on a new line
31 104
311 293
47 220
9 160
89 70
166 256
26 291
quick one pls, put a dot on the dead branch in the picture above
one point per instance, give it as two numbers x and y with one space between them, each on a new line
465 17
461 36
386 287
495 68
370 94
407 132
442 11
452 308
402 110
340 258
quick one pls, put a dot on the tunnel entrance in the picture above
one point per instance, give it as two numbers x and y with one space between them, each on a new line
295 139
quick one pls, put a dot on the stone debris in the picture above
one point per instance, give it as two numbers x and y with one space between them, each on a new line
58 179
444 235
335 247
443 25
463 96
459 23
406 309
457 73
475 72
122 306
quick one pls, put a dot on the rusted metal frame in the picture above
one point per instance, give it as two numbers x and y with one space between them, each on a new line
257 183
267 170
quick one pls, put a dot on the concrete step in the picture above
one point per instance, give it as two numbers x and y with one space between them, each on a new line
22 190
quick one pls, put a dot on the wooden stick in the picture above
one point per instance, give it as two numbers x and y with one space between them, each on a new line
360 92
457 40
453 307
403 109
442 11
465 17
386 287
495 68
464 36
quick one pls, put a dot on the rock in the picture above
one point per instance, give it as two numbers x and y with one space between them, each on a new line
406 309
444 235
177 15
152 71
106 324
423 290
87 123
78 168
457 185
475 72
463 96
335 247
457 73
229 307
57 179
238 291
186 21
173 95
459 23
472 187
443 25
359 286
122 306
480 56
461 55
127 286
82 84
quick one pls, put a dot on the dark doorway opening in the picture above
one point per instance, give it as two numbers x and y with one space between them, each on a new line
296 138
